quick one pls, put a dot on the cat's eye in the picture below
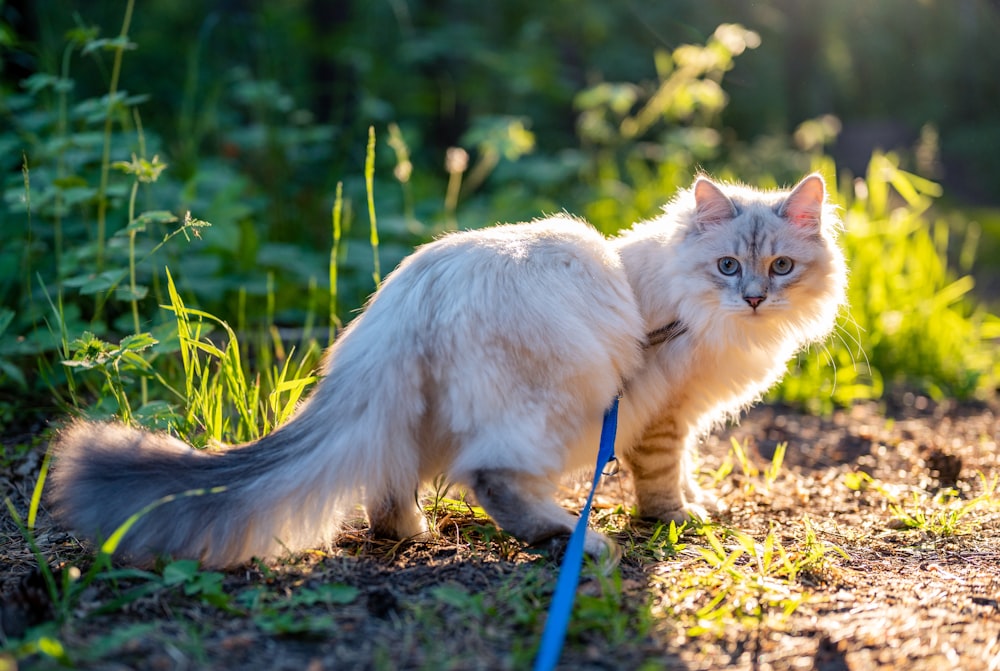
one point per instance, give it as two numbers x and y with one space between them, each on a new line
782 265
728 265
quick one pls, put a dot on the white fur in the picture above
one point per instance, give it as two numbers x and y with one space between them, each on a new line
486 352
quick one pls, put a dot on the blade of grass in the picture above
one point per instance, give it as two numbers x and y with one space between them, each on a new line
370 189
338 206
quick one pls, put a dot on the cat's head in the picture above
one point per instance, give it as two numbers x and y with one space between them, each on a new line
765 259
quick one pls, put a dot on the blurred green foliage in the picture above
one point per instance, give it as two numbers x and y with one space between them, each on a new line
253 114
912 323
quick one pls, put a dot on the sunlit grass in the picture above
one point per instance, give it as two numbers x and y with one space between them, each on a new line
937 514
708 577
370 192
735 580
222 402
911 321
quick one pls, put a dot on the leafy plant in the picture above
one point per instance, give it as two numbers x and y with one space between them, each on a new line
752 477
911 322
738 580
662 544
940 514
604 613
295 614
92 353
221 401
649 140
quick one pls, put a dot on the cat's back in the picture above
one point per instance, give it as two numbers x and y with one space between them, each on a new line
555 255
547 285
544 243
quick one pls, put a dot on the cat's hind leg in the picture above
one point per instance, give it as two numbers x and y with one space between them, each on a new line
396 516
522 505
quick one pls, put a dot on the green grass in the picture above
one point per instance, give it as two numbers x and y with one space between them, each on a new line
912 322
223 403
936 514
711 577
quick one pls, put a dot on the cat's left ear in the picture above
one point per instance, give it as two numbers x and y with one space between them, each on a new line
804 205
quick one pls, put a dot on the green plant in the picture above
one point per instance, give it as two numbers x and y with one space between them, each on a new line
662 544
8 369
88 236
438 505
752 477
42 643
736 580
183 575
773 470
303 612
605 613
220 399
940 514
911 322
370 192
650 139
114 362
336 215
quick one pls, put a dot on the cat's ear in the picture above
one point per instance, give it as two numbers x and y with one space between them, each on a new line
711 205
804 205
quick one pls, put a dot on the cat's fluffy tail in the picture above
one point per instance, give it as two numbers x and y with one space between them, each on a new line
220 508
288 491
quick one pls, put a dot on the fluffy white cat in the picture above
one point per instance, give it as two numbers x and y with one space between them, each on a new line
490 356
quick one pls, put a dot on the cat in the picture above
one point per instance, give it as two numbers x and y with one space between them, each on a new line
489 356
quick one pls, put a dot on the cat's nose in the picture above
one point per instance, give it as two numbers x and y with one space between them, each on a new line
754 301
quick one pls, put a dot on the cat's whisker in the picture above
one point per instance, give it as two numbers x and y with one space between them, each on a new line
833 364
847 347
858 329
855 339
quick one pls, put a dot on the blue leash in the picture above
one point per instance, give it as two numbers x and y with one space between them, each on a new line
569 573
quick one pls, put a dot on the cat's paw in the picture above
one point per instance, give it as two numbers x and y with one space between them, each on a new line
604 552
677 514
702 499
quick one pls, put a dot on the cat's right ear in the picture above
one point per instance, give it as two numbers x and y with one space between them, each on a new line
712 206
804 205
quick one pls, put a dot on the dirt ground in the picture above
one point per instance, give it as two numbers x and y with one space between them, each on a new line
904 598
892 597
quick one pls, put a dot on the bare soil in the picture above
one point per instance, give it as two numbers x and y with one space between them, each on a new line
472 598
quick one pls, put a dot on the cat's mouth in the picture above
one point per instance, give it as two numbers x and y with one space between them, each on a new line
762 310
748 310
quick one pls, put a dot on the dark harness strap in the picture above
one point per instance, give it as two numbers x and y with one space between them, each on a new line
666 333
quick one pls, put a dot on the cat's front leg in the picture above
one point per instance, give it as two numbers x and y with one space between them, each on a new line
693 493
664 486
